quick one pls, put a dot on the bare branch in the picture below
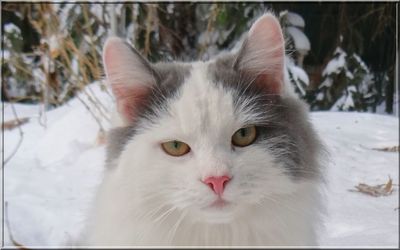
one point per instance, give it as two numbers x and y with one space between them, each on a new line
21 137
151 19
91 112
7 221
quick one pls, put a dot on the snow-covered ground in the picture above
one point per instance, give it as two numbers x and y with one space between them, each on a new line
49 182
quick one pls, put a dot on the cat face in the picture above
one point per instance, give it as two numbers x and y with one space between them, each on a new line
209 139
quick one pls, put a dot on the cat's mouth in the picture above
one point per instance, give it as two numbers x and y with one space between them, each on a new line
219 203
218 211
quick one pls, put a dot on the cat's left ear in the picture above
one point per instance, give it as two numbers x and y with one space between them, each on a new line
262 54
130 75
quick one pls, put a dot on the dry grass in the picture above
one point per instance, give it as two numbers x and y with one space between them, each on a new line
388 149
375 190
63 79
12 124
67 64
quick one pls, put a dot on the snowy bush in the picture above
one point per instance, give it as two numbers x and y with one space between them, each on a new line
347 84
298 46
19 82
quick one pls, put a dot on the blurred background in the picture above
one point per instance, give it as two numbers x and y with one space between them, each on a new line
342 55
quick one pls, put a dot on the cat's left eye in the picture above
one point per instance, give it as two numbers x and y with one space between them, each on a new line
244 136
175 148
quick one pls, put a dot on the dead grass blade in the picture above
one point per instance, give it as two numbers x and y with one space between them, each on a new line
388 149
10 125
21 137
376 190
13 241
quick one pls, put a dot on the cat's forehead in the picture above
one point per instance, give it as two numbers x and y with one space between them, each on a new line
203 104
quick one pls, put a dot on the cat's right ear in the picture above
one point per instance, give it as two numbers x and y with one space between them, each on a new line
130 76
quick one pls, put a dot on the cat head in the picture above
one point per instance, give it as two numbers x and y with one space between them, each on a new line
210 139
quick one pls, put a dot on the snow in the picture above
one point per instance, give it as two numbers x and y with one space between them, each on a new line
326 83
381 108
10 28
351 88
336 64
14 89
295 19
53 175
247 11
135 10
54 43
366 83
320 96
6 55
170 8
51 180
345 102
356 219
349 75
39 77
64 14
97 10
300 74
118 9
300 40
361 62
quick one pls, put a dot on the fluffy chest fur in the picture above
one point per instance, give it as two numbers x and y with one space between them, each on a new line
270 192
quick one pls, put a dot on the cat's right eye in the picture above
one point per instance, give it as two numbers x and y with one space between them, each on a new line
175 148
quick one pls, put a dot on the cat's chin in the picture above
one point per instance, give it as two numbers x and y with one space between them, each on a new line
219 212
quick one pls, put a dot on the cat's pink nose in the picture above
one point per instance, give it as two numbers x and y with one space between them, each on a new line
217 184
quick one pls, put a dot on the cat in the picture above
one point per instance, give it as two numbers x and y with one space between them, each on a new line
209 153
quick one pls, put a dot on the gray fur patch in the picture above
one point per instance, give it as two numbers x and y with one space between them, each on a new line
116 141
170 77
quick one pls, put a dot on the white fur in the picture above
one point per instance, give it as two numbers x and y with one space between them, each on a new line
151 198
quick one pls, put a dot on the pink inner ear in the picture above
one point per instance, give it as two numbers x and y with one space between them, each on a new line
272 79
271 84
264 54
128 76
129 100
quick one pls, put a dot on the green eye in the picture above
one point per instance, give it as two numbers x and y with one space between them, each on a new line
175 148
244 136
